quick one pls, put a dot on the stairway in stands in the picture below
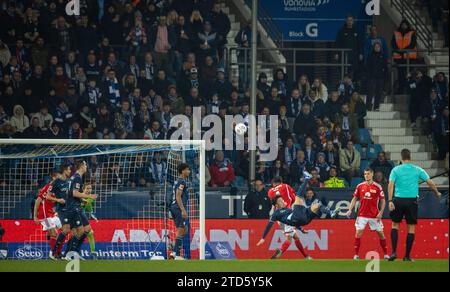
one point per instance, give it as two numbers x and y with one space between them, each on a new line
392 129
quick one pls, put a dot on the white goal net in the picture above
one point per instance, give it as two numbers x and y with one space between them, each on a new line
134 183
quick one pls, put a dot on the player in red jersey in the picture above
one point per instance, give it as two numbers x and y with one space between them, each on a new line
288 195
44 212
372 205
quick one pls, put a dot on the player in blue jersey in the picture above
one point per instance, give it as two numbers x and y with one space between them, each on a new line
178 208
60 189
298 216
77 216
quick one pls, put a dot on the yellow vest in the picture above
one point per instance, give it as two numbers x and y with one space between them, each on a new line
335 183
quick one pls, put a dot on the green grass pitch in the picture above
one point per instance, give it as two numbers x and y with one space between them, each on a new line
226 266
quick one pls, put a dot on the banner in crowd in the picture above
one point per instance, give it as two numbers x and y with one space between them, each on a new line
326 239
315 20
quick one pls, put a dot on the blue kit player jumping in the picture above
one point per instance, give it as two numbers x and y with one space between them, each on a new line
178 208
298 216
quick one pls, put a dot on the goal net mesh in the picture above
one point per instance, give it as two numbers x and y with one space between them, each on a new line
134 184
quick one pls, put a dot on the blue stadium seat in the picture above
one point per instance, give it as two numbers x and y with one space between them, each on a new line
374 150
364 137
356 181
364 164
358 148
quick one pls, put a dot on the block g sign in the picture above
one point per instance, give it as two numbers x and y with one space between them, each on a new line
373 7
73 8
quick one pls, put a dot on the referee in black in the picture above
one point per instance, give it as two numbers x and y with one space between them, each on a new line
403 200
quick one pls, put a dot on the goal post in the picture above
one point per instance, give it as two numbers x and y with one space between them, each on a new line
25 162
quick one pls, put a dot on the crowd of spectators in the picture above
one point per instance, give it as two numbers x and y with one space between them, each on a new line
124 69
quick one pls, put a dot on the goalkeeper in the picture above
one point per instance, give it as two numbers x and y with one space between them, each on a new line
88 210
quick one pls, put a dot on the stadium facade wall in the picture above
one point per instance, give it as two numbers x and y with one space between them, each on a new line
121 239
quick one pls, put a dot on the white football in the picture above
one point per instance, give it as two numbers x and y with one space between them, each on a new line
240 129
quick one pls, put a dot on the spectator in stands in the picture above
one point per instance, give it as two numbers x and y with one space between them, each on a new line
358 109
303 85
322 167
282 83
123 121
373 39
222 86
19 121
334 181
222 171
289 153
404 46
4 117
56 132
331 154
333 105
382 164
441 85
257 204
263 85
305 124
346 88
441 133
207 41
419 87
273 103
381 179
263 173
310 151
34 131
164 40
430 109
350 38
113 176
221 22
294 104
316 103
315 181
320 89
5 54
350 160
159 169
377 68
278 170
348 123
297 167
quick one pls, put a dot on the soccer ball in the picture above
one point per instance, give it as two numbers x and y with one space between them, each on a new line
240 129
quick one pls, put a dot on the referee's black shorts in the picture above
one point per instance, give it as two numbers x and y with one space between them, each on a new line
405 208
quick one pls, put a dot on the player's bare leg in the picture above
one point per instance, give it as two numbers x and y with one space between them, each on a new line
358 236
53 234
284 247
300 247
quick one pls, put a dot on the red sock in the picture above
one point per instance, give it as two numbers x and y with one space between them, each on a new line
59 251
357 245
383 244
300 247
52 242
285 246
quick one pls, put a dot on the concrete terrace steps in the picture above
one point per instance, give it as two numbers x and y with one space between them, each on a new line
390 127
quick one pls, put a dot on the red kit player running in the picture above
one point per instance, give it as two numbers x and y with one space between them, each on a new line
370 194
288 195
44 211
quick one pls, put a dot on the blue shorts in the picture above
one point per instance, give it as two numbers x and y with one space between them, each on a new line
84 218
178 217
302 215
72 218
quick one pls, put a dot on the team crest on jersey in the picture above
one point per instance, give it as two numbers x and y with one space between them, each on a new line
77 186
368 195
